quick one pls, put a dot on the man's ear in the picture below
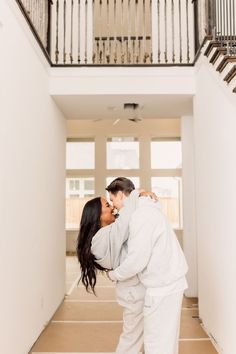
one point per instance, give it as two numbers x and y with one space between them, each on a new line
121 195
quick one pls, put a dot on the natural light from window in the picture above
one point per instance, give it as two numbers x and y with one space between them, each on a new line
169 192
78 191
80 154
122 153
166 154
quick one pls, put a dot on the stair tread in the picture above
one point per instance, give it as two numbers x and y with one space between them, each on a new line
231 74
211 45
227 59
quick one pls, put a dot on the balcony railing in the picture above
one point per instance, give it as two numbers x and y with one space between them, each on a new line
224 24
128 32
122 32
217 20
37 13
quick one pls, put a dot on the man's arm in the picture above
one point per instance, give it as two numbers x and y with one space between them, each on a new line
143 225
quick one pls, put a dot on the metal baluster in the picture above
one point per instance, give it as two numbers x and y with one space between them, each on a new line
159 27
126 27
47 26
86 31
219 20
165 16
136 31
230 27
226 26
71 32
180 33
219 16
37 18
115 37
79 31
93 39
108 34
97 39
103 50
42 17
150 51
234 31
129 25
57 28
43 22
144 32
30 9
122 33
64 32
33 12
224 38
220 27
173 30
223 23
100 32
38 21
187 25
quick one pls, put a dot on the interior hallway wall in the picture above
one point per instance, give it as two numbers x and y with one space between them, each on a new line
215 146
189 210
32 163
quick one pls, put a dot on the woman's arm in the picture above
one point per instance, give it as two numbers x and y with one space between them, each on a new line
108 242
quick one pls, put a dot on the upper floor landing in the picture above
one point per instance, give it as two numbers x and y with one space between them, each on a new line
117 32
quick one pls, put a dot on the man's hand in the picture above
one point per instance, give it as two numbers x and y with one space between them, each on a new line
148 194
109 274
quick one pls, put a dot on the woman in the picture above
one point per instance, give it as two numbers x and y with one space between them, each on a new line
102 245
96 214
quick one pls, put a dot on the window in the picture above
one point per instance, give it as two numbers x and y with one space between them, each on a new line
169 192
78 191
122 153
122 159
166 154
80 154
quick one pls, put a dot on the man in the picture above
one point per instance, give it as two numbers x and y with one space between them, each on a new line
155 255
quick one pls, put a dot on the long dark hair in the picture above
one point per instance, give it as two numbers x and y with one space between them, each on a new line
89 225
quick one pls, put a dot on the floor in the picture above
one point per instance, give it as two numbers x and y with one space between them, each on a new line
88 324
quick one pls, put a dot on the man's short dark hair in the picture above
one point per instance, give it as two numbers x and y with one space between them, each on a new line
122 184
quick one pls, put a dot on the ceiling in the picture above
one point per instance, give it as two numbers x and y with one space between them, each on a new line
98 107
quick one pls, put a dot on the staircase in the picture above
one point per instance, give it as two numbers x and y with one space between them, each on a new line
223 60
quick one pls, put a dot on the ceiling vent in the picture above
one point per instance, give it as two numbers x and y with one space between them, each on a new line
131 106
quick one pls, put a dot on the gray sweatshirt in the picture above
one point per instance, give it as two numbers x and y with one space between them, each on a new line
154 252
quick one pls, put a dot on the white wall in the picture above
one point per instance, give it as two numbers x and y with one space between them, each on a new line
189 211
32 144
215 146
